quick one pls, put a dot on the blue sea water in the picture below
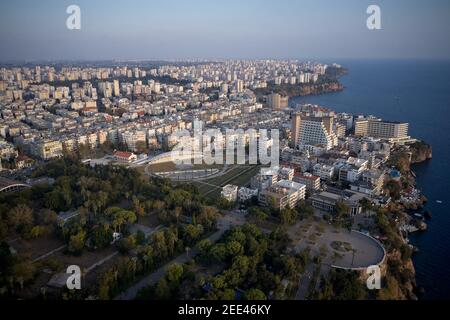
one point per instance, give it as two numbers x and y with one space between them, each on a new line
417 92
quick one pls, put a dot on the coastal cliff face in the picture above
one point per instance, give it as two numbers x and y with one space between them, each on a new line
400 278
301 89
327 83
319 89
414 153
399 281
420 152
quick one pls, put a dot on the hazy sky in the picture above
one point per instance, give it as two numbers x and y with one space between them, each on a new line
197 29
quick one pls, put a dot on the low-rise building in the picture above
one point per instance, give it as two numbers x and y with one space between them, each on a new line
245 194
230 192
326 201
124 156
283 194
286 173
324 171
47 149
311 182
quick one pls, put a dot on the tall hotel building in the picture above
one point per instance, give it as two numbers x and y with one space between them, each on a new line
381 129
313 131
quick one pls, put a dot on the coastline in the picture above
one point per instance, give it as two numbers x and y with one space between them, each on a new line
327 83
405 278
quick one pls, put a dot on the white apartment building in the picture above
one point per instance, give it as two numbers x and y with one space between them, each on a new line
230 192
245 194
286 173
47 149
324 171
283 194
132 138
311 182
381 129
313 131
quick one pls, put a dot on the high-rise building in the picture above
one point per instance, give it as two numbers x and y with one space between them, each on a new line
277 101
224 88
239 86
313 131
116 88
377 128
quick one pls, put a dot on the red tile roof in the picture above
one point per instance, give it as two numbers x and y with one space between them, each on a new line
123 154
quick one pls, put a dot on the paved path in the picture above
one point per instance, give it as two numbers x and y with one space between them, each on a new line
49 253
224 224
305 280
102 261
324 270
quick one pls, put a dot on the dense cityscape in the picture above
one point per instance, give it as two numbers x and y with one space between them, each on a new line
88 179
260 159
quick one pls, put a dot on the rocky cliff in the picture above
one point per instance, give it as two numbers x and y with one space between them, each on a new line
420 151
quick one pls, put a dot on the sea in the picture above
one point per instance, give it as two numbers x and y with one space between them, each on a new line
417 92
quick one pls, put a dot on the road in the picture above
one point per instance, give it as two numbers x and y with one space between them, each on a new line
224 224
49 253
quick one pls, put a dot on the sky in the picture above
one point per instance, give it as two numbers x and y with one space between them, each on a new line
216 29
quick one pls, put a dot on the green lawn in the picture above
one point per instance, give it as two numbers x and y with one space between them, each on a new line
238 175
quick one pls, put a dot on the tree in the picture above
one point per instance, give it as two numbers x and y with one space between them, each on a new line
288 216
192 233
38 231
23 272
204 247
218 282
174 273
208 217
127 244
345 285
147 256
140 237
159 245
234 248
138 207
101 235
241 265
54 200
254 294
228 294
119 217
158 205
76 242
224 204
106 283
162 290
171 239
342 210
21 217
365 204
305 211
257 214
46 217
272 203
219 252
393 187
